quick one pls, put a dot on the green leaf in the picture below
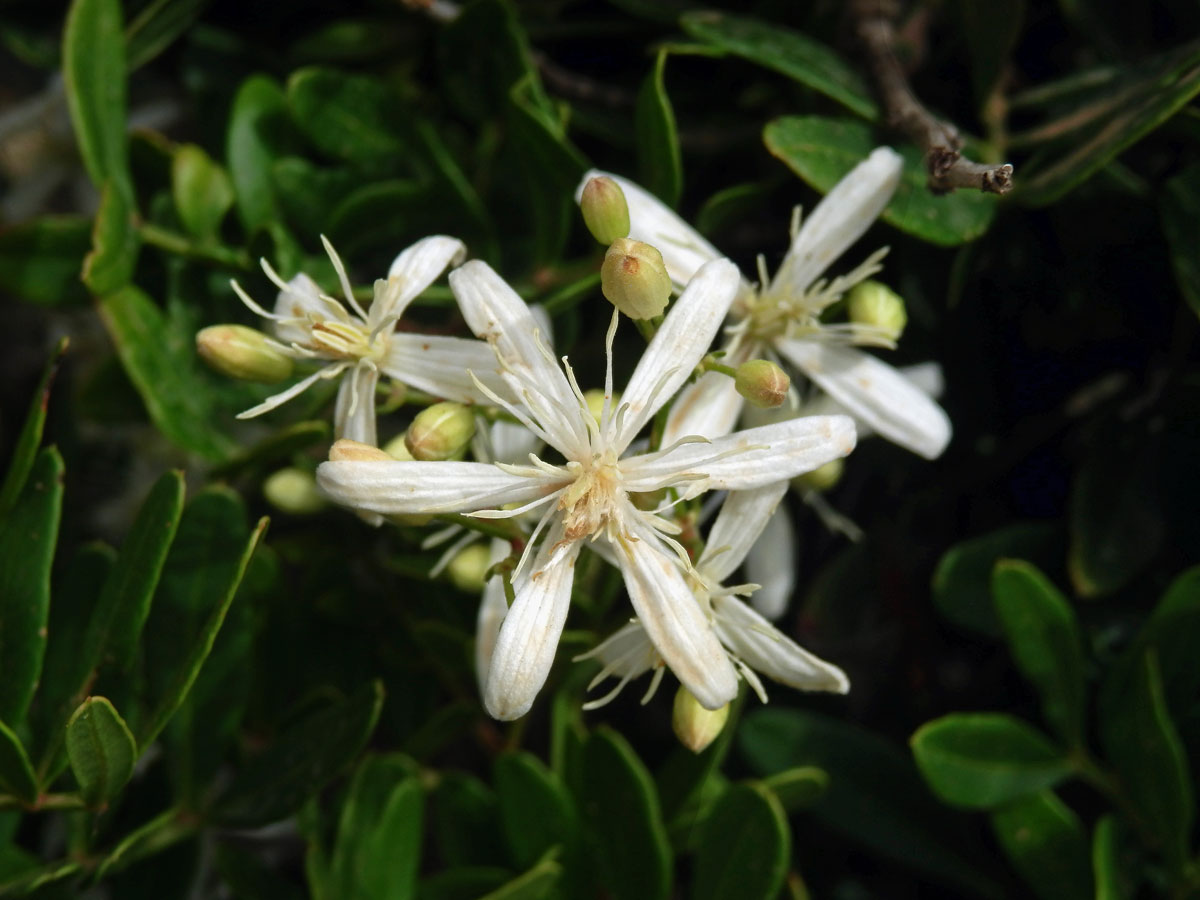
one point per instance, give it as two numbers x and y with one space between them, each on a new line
16 772
785 51
620 807
1112 883
962 581
102 751
115 242
537 883
309 193
156 28
983 760
1045 842
660 165
301 761
201 190
535 809
25 449
94 75
798 788
40 261
745 847
153 836
28 535
1044 638
822 150
250 148
466 822
991 28
351 117
174 397
1180 210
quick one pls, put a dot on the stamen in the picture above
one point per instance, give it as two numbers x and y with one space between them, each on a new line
343 278
254 307
655 681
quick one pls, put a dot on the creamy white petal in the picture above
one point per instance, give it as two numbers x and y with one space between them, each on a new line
678 345
926 377
529 634
418 267
674 621
771 564
302 300
873 392
709 408
511 443
416 488
330 371
768 650
839 220
354 412
494 312
745 459
442 366
651 221
493 607
742 518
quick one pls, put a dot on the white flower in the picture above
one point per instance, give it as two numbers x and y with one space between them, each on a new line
360 345
750 641
781 317
591 494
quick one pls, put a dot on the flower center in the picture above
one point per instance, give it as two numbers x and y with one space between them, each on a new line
590 504
347 340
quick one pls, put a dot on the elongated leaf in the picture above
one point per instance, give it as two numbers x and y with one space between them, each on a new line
822 150
536 883
378 849
152 836
466 822
352 117
28 535
984 760
40 261
1043 635
16 771
201 190
1111 880
94 75
798 788
102 751
250 148
535 808
1045 842
788 52
745 847
115 242
156 28
659 163
25 449
1180 209
175 399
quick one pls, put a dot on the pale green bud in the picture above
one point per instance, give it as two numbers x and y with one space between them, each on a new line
397 448
241 352
605 211
874 303
468 568
634 279
695 726
822 478
762 383
440 432
294 491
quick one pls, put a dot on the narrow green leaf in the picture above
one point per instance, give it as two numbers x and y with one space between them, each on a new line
40 261
175 399
115 242
301 761
622 812
1044 638
28 535
25 449
535 884
167 828
535 809
16 772
250 147
102 751
93 57
352 117
660 164
201 190
822 150
157 26
1180 210
983 760
466 822
745 847
28 882
1045 842
378 849
798 788
785 51
1111 880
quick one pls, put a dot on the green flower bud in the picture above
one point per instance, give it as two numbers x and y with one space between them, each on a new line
440 432
467 569
875 304
762 383
294 491
822 478
397 448
605 211
695 726
634 279
242 352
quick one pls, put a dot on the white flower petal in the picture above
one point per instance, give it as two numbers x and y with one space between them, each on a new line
529 634
674 620
651 221
493 607
354 412
771 564
873 392
745 459
839 220
768 650
709 408
742 518
511 443
302 300
678 345
418 266
417 488
442 366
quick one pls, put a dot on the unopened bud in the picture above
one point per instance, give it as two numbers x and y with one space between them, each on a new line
346 450
468 567
595 402
241 352
397 448
695 726
605 211
874 303
635 280
440 432
293 491
762 383
822 478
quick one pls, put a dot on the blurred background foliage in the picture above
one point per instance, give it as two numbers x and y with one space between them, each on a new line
192 707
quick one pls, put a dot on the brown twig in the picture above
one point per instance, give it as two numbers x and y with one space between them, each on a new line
940 141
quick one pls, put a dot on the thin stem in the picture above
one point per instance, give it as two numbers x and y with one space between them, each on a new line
182 245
